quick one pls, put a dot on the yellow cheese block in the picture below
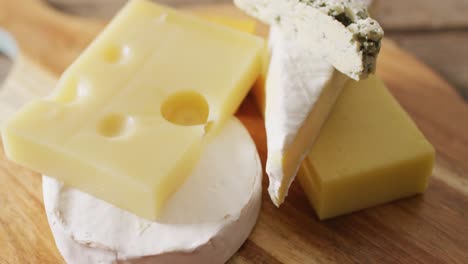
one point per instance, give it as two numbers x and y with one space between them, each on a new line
129 118
368 152
246 25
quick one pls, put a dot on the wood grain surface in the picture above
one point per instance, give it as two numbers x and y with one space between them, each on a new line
430 228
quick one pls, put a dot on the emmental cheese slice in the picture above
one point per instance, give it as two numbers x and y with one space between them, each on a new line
130 116
369 152
205 221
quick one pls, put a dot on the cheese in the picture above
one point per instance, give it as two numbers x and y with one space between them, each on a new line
369 152
341 30
129 118
301 89
245 25
206 220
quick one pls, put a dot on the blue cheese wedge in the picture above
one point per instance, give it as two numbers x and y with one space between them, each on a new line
301 89
341 30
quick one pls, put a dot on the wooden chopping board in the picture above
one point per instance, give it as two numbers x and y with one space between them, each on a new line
430 228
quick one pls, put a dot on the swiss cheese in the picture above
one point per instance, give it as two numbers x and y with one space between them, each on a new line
130 116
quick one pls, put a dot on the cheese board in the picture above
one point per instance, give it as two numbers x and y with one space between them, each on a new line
428 228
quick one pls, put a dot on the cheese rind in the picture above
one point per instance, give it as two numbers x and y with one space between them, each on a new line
208 229
340 29
129 118
369 152
301 89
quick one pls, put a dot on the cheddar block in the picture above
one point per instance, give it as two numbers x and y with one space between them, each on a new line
368 152
129 118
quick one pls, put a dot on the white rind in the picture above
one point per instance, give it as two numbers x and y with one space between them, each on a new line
205 221
314 28
296 79
294 83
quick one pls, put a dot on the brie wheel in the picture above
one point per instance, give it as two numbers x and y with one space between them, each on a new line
301 89
205 221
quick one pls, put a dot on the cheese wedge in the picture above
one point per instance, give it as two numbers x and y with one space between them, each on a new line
301 89
205 221
369 152
341 30
129 118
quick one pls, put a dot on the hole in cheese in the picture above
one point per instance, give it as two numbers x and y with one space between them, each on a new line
115 54
73 89
186 108
115 125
